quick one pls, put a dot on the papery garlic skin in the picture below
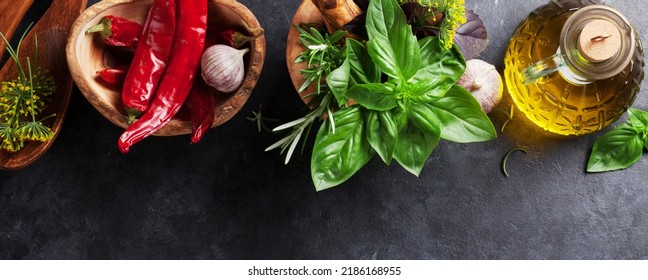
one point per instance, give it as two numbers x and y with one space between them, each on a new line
223 67
483 81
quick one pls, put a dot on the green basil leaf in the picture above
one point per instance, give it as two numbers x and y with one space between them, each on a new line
645 139
430 89
425 118
461 116
338 82
441 62
638 119
337 156
380 97
382 133
441 68
392 45
620 148
363 70
415 144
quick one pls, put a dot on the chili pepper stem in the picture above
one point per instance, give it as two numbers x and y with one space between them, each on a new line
256 32
133 114
240 39
103 27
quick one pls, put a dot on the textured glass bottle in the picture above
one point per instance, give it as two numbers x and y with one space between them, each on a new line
574 67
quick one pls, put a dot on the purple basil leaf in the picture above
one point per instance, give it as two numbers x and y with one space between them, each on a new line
471 37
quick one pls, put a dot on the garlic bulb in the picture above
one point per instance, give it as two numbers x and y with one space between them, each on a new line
483 81
223 67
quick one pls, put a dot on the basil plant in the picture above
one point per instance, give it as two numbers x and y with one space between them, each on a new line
397 98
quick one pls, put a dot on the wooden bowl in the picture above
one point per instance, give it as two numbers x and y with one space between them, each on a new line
86 55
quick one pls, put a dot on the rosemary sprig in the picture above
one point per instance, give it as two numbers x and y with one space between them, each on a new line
300 126
261 120
323 54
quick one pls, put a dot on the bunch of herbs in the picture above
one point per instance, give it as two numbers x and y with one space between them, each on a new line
392 95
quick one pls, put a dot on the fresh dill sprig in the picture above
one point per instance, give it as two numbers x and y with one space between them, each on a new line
22 100
454 15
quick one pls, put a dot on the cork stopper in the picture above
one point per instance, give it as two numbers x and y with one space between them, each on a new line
599 40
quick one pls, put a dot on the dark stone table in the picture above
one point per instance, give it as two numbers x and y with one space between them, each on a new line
225 198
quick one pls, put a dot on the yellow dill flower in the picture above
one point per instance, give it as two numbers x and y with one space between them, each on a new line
34 131
19 105
455 16
10 142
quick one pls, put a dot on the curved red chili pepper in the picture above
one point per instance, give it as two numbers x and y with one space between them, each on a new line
117 31
179 76
201 105
150 59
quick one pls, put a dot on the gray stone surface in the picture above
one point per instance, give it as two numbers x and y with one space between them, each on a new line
225 198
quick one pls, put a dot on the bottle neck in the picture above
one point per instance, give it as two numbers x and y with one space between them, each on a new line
597 42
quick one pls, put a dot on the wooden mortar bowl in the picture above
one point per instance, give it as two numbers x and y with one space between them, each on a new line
86 55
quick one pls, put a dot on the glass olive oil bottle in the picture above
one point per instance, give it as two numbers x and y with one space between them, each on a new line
574 67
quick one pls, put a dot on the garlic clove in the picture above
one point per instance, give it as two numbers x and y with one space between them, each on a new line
223 67
483 81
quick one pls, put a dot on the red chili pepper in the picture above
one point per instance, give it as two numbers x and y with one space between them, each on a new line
118 32
150 59
201 105
113 76
179 76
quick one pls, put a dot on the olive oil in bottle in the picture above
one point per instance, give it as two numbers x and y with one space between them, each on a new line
574 67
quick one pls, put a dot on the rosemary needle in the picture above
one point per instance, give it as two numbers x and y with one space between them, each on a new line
261 120
507 156
508 115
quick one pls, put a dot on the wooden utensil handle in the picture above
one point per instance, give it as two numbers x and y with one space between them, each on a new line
337 13
12 14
